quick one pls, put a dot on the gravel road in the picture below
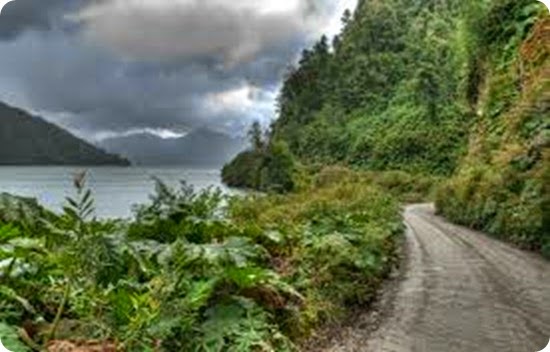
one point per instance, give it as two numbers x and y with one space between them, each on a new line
461 291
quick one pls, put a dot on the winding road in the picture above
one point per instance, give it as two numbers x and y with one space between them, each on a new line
461 291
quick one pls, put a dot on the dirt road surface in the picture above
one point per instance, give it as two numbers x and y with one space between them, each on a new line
461 291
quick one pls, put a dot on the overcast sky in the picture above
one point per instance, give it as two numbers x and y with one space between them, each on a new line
108 67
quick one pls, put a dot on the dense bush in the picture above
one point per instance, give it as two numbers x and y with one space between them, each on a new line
195 271
243 171
23 212
502 185
508 206
268 166
406 187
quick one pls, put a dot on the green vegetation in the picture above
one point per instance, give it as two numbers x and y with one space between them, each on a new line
502 185
413 96
268 166
385 96
457 90
195 271
30 140
405 187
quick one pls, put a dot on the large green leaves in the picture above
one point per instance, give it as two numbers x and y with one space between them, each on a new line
10 339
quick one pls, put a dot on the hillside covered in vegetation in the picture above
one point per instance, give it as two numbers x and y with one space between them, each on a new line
456 90
30 140
501 186
413 97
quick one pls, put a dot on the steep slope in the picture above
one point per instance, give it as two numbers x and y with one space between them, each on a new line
451 88
30 140
386 96
502 185
201 147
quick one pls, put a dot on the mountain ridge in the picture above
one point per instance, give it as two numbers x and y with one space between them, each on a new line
34 141
200 147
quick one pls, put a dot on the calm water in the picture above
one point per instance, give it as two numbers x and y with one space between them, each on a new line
116 190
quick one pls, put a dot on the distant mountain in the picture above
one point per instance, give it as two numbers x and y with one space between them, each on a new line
30 140
201 147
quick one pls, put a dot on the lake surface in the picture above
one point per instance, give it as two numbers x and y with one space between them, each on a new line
115 189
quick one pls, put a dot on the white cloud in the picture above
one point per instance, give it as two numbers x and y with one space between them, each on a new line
233 99
159 132
252 103
3 3
335 21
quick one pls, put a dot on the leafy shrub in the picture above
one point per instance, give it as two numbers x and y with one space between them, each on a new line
243 172
23 212
335 243
271 169
196 271
175 214
404 186
487 200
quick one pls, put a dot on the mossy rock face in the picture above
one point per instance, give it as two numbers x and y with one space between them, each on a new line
502 185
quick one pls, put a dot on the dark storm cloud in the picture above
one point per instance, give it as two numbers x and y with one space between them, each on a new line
177 66
97 92
168 30
19 16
